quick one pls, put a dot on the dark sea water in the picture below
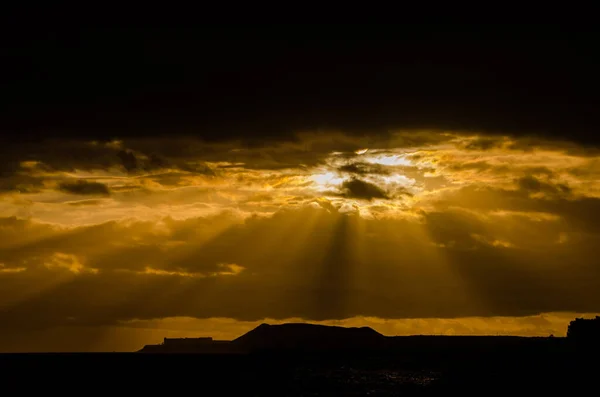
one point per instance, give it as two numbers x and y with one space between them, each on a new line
285 375
359 382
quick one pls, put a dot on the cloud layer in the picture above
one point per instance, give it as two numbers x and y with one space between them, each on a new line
325 227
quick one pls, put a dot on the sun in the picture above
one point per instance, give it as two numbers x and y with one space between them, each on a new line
376 170
327 180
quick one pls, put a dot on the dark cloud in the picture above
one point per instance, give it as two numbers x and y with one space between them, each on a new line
534 185
255 127
13 177
539 171
198 168
128 160
565 144
84 188
257 89
77 155
364 168
579 215
355 188
21 183
484 144
507 169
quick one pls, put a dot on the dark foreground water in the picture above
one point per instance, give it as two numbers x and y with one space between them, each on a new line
293 375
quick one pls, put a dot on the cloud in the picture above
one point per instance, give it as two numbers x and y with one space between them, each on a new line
14 177
355 188
485 143
230 269
364 168
4 269
86 202
429 189
533 185
71 263
453 262
85 188
128 160
416 227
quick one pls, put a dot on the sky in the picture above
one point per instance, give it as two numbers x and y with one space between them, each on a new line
180 183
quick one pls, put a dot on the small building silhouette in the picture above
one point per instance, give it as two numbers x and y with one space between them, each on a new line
191 345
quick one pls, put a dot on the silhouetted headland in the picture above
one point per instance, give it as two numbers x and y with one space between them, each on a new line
265 337
308 359
302 337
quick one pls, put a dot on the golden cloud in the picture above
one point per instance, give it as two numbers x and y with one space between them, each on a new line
327 227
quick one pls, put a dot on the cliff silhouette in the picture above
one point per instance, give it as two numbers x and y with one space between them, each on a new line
304 337
307 359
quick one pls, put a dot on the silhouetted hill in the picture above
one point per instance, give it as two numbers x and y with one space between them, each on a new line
298 338
343 361
309 336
